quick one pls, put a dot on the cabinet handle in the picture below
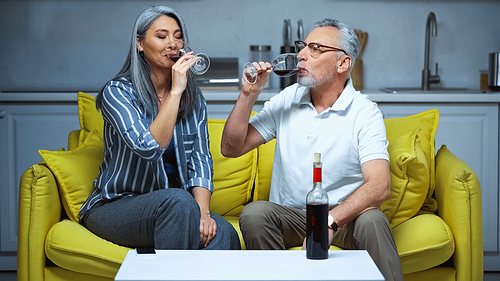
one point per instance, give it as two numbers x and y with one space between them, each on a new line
2 114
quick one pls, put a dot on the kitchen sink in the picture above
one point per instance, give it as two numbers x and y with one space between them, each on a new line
436 90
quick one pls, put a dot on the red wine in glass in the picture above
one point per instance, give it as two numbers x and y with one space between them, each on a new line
283 65
284 72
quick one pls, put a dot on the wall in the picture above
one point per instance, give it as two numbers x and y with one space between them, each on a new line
79 45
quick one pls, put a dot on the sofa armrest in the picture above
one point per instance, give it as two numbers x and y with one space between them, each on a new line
39 210
458 194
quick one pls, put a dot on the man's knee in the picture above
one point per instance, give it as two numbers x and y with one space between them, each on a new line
259 218
261 227
372 218
372 224
256 213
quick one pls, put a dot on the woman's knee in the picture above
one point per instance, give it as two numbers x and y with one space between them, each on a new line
226 233
177 200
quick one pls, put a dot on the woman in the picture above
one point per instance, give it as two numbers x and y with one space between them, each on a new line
155 183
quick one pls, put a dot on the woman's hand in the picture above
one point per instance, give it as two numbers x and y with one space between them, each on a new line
180 72
208 227
263 70
208 230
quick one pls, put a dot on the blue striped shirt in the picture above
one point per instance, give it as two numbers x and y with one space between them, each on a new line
133 162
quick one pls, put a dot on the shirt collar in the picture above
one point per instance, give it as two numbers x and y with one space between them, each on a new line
340 104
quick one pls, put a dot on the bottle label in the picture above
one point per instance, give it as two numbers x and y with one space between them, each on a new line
317 175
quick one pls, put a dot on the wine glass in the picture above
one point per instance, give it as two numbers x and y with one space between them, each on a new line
283 65
200 62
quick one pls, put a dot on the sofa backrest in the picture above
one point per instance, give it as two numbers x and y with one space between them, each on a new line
233 177
238 181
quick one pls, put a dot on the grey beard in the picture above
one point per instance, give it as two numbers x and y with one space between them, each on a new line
307 82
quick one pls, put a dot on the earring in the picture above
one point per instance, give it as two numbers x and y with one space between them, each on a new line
141 53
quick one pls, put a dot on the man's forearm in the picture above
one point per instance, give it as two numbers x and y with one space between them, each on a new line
236 127
370 195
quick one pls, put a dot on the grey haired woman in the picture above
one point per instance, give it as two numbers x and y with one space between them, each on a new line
155 183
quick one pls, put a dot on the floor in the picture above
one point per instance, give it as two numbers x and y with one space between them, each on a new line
8 276
12 276
491 276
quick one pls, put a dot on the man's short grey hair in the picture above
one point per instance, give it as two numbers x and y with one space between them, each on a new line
348 39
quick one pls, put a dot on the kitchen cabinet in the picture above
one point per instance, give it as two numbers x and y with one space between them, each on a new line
469 126
470 131
26 127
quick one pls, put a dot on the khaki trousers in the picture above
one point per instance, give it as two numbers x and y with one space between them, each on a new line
267 225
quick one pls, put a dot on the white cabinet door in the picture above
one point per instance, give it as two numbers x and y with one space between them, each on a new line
470 131
24 129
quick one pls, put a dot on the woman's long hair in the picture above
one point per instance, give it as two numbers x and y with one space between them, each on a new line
138 70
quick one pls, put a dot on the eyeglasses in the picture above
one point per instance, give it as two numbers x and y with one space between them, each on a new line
314 48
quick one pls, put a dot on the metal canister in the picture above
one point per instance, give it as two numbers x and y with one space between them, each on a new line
494 72
287 81
260 53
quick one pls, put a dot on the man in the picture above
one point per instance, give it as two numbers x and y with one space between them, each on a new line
322 113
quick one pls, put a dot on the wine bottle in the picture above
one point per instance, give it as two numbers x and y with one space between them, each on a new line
317 216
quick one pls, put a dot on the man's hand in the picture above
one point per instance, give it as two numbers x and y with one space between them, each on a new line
263 70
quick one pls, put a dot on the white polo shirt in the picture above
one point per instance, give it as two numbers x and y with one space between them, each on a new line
348 134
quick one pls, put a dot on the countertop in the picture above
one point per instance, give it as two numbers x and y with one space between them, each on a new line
417 96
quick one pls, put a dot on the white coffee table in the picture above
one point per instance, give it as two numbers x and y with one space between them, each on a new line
240 265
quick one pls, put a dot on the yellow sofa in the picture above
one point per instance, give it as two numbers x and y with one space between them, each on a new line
434 209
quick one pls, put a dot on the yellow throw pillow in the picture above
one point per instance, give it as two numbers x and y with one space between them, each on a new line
428 121
409 178
90 118
75 170
233 177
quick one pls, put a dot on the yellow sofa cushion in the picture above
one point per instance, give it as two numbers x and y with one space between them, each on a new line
233 177
264 170
428 121
409 178
75 170
55 273
90 118
423 242
434 274
235 222
73 247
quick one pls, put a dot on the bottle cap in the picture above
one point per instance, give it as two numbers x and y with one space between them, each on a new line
317 158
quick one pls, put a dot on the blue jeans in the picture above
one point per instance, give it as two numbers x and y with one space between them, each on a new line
162 219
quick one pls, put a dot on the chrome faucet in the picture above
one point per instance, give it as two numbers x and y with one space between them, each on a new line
427 78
